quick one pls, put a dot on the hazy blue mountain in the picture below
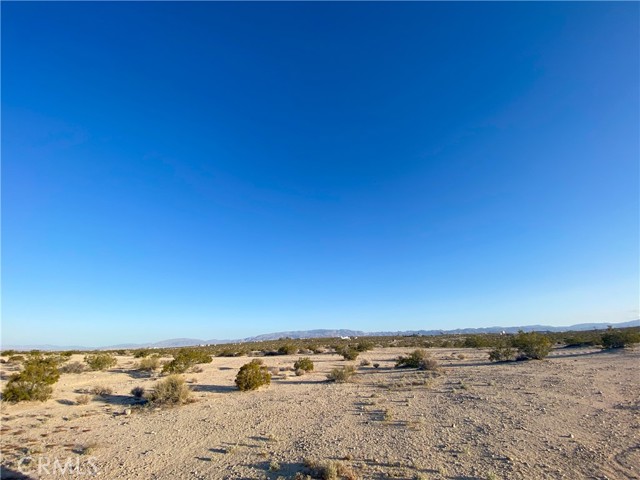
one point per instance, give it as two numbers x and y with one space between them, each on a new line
331 333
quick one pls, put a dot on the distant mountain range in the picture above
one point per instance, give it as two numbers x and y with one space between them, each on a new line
328 333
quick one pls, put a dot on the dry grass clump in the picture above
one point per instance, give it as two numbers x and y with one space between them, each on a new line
330 470
341 375
149 364
171 391
73 367
83 399
102 391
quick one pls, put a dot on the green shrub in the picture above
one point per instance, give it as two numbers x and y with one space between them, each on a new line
364 346
341 375
141 353
304 363
502 353
531 345
170 392
288 349
252 375
33 382
100 361
419 359
348 353
185 359
619 338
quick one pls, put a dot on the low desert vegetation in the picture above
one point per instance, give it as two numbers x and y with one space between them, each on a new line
420 359
15 359
288 349
532 345
185 359
503 353
341 374
138 392
252 375
83 399
34 382
619 338
330 470
101 391
348 353
171 391
149 363
304 363
73 367
100 361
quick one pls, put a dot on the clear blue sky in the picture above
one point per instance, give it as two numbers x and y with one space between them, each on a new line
218 170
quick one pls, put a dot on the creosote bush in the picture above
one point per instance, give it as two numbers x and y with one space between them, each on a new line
419 359
532 345
619 338
33 382
252 375
288 349
503 353
100 361
348 353
342 374
171 391
185 359
304 363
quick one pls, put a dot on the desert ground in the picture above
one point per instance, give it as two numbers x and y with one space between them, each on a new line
574 415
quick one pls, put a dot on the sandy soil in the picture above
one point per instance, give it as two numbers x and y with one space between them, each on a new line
575 415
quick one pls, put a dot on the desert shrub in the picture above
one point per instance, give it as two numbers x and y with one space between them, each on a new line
15 359
101 390
299 372
100 361
376 365
252 375
330 470
419 359
185 359
502 353
138 392
171 391
149 364
141 353
33 382
342 374
364 346
83 399
288 349
619 338
475 341
304 363
365 363
348 353
73 367
531 345
8 353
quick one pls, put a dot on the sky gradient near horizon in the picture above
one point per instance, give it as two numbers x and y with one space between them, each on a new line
220 170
